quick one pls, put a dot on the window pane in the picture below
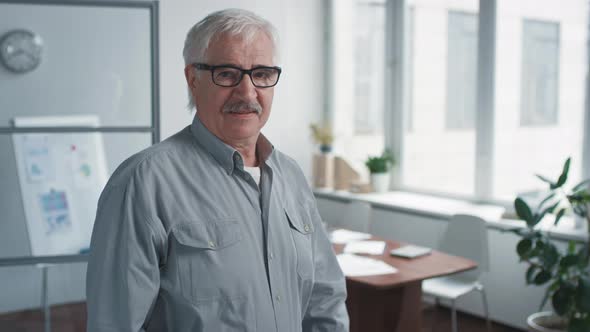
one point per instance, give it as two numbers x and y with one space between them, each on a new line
442 96
541 67
369 59
96 61
540 55
358 78
461 70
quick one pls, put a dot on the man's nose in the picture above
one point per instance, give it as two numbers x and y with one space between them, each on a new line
246 89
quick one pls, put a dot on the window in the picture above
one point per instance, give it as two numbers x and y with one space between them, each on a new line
409 112
540 55
357 78
369 61
541 67
441 88
461 70
492 92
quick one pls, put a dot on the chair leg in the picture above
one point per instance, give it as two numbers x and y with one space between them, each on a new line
485 308
435 313
453 316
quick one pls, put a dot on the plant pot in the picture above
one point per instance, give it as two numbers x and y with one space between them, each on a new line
380 182
546 321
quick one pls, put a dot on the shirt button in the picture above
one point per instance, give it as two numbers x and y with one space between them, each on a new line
278 298
306 227
272 256
211 244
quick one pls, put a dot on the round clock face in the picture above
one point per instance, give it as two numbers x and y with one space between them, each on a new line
20 50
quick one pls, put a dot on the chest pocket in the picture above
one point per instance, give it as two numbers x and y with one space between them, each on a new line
208 257
301 232
208 235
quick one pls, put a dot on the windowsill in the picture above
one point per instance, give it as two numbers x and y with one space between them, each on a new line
444 208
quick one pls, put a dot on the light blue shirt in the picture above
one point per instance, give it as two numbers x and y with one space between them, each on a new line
185 240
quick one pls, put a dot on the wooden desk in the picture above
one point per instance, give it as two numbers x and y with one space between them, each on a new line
392 302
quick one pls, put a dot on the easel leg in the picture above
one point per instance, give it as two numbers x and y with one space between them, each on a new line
45 300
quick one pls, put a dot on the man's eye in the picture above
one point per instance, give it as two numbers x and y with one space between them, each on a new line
263 74
226 74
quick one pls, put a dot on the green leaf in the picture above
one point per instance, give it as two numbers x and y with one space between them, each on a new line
561 300
542 277
569 260
583 294
545 298
524 247
530 274
571 247
580 185
544 179
559 215
579 325
515 230
523 211
546 199
554 286
540 216
583 256
563 176
550 255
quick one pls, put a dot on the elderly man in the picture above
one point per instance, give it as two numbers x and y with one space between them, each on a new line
213 229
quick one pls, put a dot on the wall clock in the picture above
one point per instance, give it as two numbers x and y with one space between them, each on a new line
21 50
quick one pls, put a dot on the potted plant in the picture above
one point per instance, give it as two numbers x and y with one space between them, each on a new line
323 136
565 273
379 167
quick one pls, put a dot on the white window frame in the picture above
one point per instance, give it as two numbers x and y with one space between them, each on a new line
398 100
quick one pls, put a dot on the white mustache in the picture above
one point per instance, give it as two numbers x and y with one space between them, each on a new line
242 107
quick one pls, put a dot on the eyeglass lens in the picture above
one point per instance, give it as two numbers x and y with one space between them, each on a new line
261 77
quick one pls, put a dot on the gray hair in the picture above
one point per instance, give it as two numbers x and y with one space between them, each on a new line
235 22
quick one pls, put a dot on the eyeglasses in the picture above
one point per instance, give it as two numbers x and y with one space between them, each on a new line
230 76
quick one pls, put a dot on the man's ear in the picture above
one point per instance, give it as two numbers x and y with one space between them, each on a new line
191 77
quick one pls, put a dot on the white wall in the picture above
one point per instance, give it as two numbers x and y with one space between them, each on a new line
298 101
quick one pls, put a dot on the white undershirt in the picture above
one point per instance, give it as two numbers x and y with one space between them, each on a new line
255 172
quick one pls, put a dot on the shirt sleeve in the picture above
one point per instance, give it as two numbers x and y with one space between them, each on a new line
326 310
123 278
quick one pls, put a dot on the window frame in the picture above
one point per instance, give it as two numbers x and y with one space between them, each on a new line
398 101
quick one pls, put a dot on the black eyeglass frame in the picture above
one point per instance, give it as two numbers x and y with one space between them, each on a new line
204 66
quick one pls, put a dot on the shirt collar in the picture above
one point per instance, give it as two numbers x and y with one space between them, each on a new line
228 157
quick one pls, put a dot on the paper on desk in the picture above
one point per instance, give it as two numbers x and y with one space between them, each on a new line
365 247
342 236
358 266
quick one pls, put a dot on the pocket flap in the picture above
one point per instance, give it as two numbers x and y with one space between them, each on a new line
299 220
210 235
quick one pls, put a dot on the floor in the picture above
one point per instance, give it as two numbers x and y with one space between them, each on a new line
72 318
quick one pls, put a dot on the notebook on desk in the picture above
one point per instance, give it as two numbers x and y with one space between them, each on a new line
410 251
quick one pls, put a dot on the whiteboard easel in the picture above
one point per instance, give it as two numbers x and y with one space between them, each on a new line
61 176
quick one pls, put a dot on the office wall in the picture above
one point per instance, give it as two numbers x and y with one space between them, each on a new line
298 101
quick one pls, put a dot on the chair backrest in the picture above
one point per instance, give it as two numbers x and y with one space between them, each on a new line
356 216
467 236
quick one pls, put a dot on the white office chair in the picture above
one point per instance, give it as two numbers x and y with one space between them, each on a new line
465 236
356 216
